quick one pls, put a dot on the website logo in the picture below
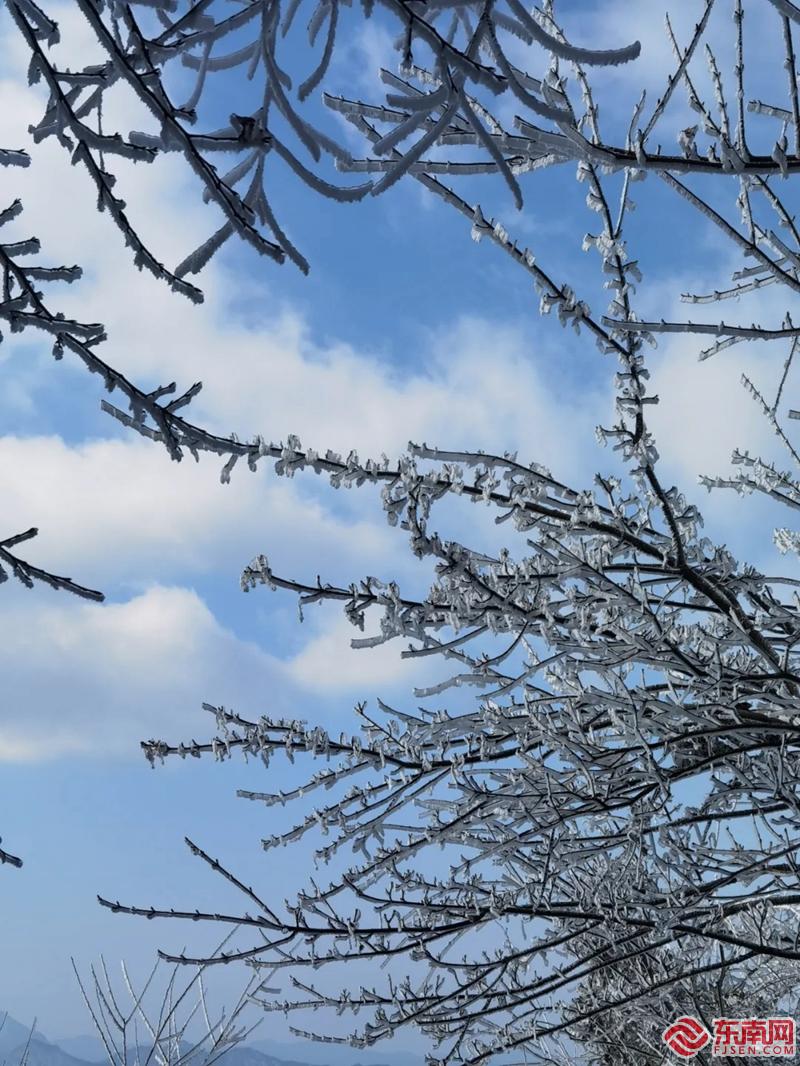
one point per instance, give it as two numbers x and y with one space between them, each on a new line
733 1037
686 1037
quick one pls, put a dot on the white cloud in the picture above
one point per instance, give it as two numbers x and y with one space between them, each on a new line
266 373
613 23
118 511
112 510
474 377
121 511
705 413
328 663
97 680
359 61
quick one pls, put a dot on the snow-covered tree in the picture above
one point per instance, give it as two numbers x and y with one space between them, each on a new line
630 1033
611 829
134 1025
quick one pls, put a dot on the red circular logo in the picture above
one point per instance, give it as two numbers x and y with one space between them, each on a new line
686 1036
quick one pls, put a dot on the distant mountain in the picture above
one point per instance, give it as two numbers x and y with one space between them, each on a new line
41 1053
89 1051
248 1056
87 1048
12 1034
316 1053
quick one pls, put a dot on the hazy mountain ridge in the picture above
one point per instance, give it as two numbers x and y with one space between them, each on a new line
88 1051
40 1053
12 1035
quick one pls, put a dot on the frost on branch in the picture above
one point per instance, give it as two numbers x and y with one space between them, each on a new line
635 705
595 812
21 306
269 133
611 817
136 1031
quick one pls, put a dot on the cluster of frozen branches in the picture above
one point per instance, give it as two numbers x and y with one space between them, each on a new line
631 1034
627 780
22 306
178 1031
613 826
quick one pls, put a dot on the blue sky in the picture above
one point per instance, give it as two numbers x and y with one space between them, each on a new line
405 329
